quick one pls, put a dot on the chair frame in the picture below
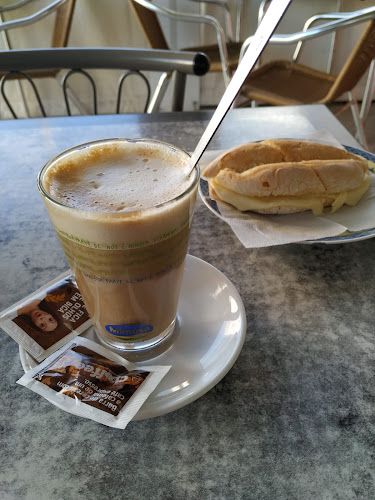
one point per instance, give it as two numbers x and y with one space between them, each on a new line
370 82
345 19
63 20
227 16
340 21
193 18
33 18
181 63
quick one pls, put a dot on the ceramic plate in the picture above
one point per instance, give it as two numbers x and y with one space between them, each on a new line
210 336
347 237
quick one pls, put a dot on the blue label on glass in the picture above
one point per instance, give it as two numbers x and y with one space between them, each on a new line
128 330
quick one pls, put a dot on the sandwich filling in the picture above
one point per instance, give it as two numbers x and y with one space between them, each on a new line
319 203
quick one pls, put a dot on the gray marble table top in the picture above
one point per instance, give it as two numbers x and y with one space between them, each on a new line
295 416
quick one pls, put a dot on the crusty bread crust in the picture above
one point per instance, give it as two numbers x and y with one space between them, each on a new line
253 154
295 179
287 168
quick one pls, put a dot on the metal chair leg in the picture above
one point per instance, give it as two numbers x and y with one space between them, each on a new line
178 91
159 93
369 92
357 119
6 42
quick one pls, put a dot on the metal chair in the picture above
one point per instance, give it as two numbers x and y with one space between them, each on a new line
228 22
290 83
224 55
64 13
27 63
369 90
63 10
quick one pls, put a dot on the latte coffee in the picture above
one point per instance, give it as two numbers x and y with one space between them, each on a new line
122 209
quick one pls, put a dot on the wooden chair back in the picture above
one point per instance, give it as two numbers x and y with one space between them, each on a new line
150 26
356 65
63 23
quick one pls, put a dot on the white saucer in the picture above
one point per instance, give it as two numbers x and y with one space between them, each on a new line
212 328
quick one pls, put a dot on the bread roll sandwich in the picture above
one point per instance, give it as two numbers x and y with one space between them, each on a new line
287 176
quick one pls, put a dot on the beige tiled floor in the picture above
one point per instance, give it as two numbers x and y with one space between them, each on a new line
347 120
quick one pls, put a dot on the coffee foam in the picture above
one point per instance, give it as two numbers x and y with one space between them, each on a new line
119 177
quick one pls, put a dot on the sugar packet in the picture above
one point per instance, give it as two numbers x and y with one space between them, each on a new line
89 380
48 318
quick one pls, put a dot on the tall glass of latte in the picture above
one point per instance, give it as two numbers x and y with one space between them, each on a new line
122 209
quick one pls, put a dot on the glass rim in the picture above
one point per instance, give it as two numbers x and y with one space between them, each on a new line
84 145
